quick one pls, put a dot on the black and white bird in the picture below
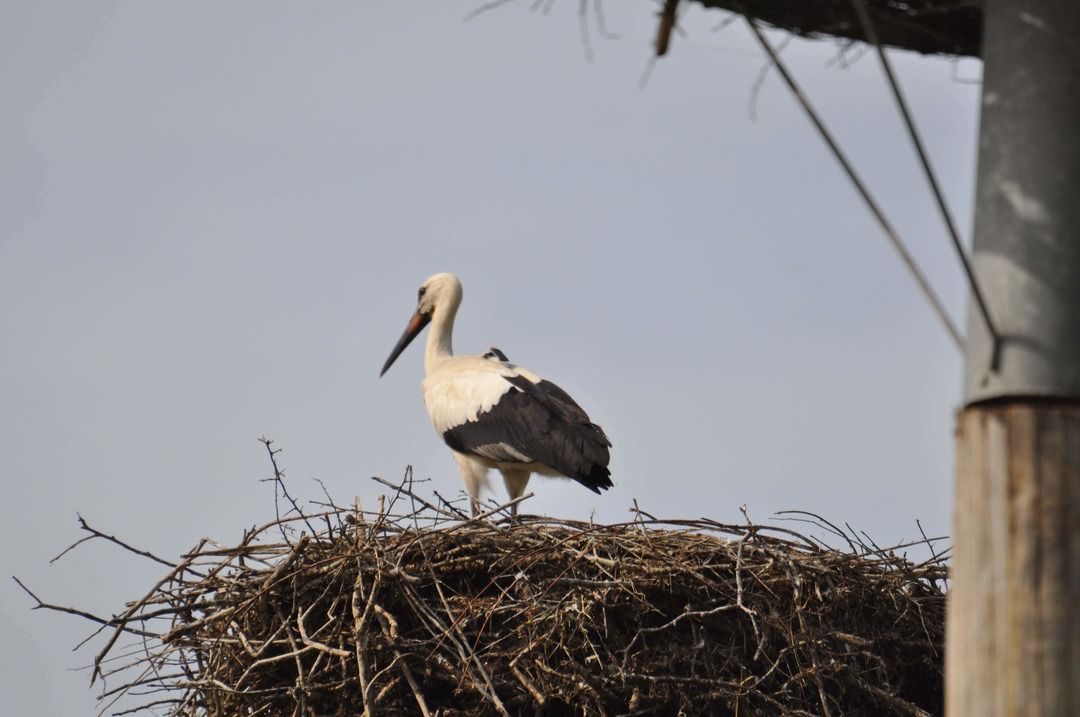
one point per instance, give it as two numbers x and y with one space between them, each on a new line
495 414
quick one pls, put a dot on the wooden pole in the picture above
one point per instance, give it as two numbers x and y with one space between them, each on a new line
1013 639
1014 610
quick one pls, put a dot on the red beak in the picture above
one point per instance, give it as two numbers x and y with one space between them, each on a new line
416 325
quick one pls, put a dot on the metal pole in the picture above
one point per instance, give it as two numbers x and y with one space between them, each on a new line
1014 608
1027 215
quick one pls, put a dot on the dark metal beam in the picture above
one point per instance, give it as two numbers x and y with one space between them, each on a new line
945 27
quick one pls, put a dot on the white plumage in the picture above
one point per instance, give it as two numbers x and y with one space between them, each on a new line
459 388
495 414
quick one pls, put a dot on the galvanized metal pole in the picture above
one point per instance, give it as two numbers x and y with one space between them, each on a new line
1014 608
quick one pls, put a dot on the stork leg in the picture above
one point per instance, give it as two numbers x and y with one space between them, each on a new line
515 480
475 476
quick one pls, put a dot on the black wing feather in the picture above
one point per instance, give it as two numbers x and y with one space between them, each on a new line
540 421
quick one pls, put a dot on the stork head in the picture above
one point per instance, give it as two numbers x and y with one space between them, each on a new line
438 295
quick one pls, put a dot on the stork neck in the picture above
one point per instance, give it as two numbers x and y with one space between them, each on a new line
439 338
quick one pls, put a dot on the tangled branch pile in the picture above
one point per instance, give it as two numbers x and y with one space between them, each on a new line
412 609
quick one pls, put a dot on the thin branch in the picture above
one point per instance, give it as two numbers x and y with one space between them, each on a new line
279 482
94 533
111 622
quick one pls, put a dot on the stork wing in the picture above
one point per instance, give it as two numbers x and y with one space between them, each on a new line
534 423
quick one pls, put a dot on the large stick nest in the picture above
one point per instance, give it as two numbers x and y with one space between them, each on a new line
420 614
414 609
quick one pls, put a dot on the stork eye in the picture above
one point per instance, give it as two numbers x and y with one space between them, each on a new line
420 294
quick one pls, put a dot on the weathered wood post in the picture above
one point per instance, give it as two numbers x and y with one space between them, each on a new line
1014 609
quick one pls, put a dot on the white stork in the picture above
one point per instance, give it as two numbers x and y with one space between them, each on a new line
494 414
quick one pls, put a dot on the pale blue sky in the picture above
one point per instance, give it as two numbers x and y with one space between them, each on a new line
214 217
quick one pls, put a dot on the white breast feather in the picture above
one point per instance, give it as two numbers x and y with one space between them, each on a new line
460 388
